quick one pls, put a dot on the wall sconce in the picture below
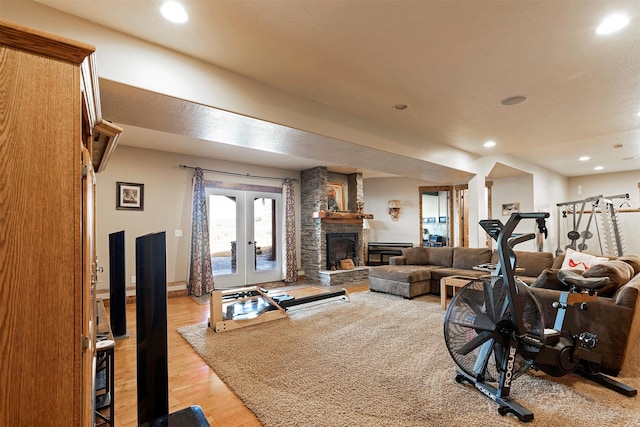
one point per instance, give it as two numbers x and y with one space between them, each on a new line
394 209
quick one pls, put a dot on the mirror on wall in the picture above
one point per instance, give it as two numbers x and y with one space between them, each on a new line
436 213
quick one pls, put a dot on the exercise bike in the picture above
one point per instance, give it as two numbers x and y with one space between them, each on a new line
495 331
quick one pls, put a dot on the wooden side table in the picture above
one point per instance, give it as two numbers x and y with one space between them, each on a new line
454 282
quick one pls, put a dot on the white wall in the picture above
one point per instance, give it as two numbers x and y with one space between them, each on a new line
377 193
167 204
517 189
546 188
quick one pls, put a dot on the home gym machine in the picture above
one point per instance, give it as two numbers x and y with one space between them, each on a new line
602 215
242 307
494 328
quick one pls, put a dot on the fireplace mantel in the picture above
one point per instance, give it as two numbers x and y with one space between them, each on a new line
342 217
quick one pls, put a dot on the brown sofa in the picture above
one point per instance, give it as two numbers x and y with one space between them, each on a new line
419 270
614 316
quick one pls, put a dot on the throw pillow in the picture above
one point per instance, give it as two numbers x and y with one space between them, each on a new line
574 260
415 256
618 272
633 261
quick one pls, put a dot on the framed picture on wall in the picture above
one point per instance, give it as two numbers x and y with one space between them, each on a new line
335 196
129 196
509 208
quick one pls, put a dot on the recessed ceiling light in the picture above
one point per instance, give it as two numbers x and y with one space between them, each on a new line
513 100
584 158
400 107
598 168
490 144
612 23
174 12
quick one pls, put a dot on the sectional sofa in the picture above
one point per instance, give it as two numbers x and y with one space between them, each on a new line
614 316
419 270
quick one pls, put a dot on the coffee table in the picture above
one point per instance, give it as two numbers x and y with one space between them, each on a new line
455 282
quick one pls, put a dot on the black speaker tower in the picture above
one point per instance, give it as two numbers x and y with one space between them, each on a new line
117 285
151 327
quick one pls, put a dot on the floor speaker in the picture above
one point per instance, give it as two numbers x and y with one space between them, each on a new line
117 285
151 327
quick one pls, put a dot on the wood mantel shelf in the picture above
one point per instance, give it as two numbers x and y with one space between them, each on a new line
342 217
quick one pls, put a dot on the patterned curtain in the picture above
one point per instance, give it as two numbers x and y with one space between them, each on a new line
290 265
200 273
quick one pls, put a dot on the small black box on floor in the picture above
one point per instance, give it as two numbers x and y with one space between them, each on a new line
188 417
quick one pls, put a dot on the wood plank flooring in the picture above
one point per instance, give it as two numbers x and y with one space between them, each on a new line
191 380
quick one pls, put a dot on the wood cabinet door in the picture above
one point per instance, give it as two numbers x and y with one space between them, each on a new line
40 253
89 278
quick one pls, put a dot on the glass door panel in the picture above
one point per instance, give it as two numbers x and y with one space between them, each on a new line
223 231
264 234
243 232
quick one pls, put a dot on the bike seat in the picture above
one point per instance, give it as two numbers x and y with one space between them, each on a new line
573 279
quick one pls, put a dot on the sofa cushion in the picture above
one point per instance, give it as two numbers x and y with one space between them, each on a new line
440 256
533 263
575 260
548 279
467 258
627 295
438 273
415 256
401 273
633 261
557 261
618 272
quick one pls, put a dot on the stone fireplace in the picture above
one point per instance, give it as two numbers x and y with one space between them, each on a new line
318 226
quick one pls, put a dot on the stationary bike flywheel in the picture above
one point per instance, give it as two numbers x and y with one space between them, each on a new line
477 327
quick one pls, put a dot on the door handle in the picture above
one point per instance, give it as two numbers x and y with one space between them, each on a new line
249 243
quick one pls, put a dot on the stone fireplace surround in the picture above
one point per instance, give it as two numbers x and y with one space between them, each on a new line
314 226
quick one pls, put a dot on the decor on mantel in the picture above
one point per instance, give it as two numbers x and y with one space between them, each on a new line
335 196
394 209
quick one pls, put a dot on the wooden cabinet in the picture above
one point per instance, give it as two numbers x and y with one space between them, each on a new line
49 119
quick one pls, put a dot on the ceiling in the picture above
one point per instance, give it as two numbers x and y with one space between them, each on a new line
451 62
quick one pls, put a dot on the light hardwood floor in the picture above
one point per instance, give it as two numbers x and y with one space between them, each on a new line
191 380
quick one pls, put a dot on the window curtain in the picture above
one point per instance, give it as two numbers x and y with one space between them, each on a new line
200 272
290 264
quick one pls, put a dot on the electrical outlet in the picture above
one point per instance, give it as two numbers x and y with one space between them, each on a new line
178 233
133 279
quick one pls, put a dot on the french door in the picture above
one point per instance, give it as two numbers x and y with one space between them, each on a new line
244 230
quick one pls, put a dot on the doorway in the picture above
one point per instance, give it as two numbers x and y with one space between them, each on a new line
243 230
462 195
436 216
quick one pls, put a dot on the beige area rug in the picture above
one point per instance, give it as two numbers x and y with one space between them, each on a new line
381 360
